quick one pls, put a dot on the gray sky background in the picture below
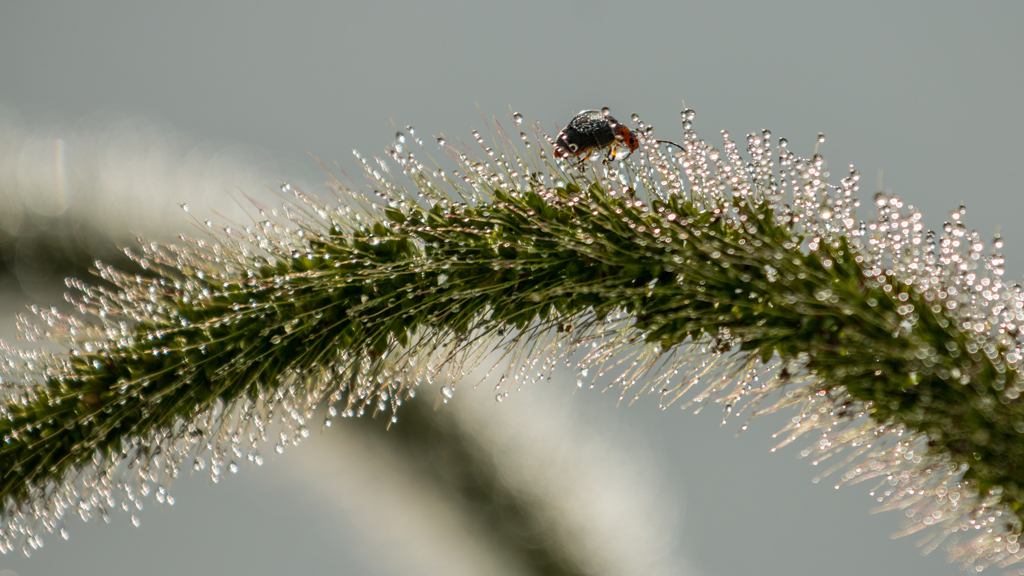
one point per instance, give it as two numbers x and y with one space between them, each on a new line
928 91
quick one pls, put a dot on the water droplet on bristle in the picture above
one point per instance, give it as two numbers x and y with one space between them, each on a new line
518 118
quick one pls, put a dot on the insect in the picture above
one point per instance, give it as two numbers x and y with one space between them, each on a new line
593 130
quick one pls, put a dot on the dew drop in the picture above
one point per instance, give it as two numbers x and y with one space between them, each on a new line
606 111
441 141
400 137
447 392
518 118
135 521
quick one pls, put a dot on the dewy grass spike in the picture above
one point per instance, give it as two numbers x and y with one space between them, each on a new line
696 275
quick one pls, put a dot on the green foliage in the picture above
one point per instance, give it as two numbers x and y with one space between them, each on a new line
333 308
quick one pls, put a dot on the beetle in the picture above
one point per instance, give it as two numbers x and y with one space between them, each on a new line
593 130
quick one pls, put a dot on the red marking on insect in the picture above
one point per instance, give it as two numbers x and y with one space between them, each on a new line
626 136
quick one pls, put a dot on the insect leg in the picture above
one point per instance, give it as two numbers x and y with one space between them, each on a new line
611 153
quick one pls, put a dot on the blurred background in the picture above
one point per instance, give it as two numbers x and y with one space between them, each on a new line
114 113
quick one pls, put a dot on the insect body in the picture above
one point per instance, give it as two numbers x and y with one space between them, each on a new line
593 130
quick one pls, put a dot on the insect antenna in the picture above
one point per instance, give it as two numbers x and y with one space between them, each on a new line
670 142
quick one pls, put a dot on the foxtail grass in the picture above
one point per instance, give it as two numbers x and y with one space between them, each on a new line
697 275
